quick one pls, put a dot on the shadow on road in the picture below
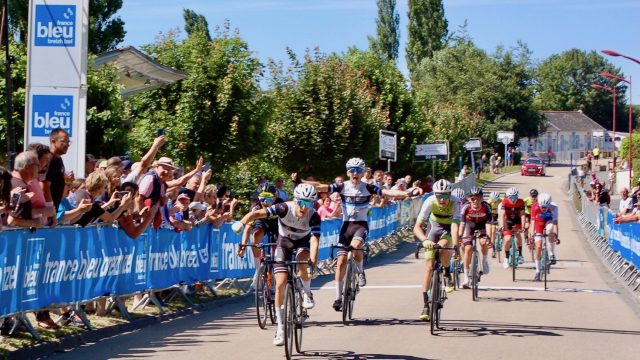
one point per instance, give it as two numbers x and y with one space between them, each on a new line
340 354
367 322
477 328
512 299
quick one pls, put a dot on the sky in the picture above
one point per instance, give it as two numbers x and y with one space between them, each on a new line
547 27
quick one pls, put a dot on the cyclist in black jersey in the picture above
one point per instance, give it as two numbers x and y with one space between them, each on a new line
355 195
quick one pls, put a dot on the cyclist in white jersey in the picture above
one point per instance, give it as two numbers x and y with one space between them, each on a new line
299 231
356 196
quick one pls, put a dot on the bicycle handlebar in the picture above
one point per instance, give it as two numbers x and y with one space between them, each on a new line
260 245
435 247
348 248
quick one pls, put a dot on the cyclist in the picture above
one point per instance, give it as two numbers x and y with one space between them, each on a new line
299 232
261 227
544 215
442 212
355 198
528 202
494 201
512 218
474 216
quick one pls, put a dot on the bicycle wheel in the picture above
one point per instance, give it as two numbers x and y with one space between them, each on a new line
435 301
474 275
545 263
261 297
354 288
455 271
498 246
289 320
299 318
514 258
270 293
346 292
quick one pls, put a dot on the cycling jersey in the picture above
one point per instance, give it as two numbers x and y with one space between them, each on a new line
291 226
512 209
495 205
528 202
542 219
474 220
355 199
432 210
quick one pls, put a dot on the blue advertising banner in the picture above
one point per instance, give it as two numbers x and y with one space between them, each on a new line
67 264
625 239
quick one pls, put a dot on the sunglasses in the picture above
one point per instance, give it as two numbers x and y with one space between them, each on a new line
355 170
544 208
266 199
513 197
442 196
305 203
473 198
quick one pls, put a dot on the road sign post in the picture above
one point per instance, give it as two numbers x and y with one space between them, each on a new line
388 147
506 137
473 145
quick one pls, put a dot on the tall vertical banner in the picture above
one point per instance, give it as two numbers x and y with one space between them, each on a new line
57 75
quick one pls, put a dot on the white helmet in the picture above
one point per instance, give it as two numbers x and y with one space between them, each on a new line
442 186
305 192
457 192
512 192
495 196
356 163
544 199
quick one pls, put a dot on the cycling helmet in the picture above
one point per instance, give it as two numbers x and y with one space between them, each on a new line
495 196
305 192
267 188
356 163
533 192
457 192
544 199
512 192
442 186
475 191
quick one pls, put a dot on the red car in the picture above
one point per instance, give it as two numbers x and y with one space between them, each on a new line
532 166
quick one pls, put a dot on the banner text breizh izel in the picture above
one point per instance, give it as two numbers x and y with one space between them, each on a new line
57 75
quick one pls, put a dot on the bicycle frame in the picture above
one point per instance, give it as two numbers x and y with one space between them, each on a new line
294 314
264 297
351 286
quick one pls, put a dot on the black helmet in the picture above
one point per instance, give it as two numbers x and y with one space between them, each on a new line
267 187
533 192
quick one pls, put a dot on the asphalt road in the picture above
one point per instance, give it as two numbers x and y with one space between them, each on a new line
584 315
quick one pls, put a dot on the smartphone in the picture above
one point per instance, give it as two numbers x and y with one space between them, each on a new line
206 166
15 200
121 194
160 132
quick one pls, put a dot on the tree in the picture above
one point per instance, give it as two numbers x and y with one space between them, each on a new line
106 30
194 22
497 88
324 112
427 31
218 111
387 41
563 83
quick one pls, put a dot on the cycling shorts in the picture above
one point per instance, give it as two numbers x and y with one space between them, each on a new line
548 229
470 230
351 230
285 248
438 231
512 224
494 218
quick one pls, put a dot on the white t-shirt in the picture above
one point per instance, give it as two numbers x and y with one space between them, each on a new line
625 205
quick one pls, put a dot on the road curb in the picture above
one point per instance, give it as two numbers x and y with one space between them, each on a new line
89 336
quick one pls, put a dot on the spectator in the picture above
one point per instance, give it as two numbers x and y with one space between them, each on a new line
96 184
336 205
388 180
25 169
510 155
135 221
635 192
254 196
153 186
339 180
53 185
325 209
367 176
601 195
89 164
428 185
612 180
198 211
102 165
483 160
596 155
588 158
378 177
5 195
416 189
581 175
549 155
126 169
407 179
493 159
142 167
280 192
177 213
115 161
69 213
626 205
401 185
114 175
39 205
464 172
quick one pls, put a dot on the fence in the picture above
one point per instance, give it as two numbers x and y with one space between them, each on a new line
54 267
619 244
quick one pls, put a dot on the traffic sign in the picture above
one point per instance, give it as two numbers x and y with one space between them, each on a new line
503 136
434 150
388 145
473 144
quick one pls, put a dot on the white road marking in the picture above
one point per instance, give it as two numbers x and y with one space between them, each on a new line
489 288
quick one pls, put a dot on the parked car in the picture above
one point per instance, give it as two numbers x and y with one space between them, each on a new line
532 166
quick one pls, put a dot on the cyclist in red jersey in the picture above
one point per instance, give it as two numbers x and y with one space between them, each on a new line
475 216
544 218
512 219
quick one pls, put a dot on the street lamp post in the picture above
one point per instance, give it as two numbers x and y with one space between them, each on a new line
615 53
612 76
612 90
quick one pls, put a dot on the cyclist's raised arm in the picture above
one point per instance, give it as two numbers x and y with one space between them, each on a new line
254 215
394 193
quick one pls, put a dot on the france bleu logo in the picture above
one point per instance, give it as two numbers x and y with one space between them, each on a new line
55 25
50 112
